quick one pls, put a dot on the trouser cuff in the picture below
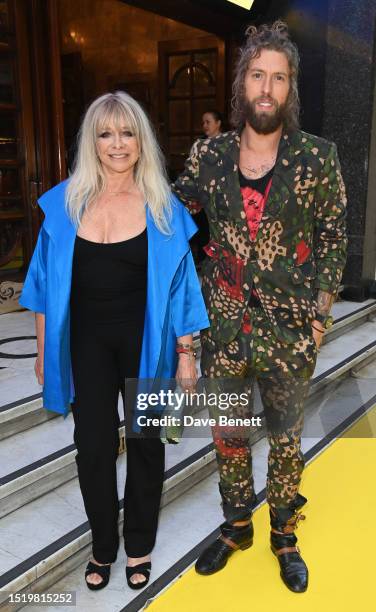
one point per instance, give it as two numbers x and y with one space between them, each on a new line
103 556
237 512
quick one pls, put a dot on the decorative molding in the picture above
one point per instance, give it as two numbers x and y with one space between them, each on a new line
10 291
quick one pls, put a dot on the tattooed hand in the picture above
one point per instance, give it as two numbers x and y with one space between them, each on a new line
324 302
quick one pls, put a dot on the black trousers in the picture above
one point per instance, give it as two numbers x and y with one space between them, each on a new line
103 355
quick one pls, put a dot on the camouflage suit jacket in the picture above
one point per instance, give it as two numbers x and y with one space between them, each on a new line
300 244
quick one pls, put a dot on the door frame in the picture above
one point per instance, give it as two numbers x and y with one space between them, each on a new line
187 46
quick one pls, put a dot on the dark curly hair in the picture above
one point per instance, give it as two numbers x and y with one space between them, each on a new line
274 37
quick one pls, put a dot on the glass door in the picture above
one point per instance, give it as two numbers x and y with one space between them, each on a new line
17 146
11 167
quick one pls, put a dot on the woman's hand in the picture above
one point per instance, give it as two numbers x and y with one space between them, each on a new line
39 370
186 373
317 333
40 326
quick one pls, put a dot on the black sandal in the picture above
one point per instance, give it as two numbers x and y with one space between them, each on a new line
102 570
141 568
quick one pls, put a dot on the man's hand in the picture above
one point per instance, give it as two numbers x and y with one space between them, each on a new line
318 332
325 302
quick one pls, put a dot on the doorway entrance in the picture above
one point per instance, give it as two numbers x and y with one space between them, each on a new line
56 56
191 82
17 143
174 70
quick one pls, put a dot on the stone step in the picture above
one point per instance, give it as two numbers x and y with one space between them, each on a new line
25 413
52 558
346 320
40 459
60 533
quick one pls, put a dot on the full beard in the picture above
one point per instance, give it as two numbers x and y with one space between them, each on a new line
264 122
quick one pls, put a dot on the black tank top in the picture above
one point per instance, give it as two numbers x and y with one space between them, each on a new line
109 281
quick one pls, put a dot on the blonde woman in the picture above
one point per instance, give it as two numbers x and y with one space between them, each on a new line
116 296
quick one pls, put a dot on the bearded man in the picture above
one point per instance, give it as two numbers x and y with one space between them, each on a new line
275 202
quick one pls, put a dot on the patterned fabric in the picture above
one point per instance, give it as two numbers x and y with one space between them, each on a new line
300 244
254 194
254 202
282 372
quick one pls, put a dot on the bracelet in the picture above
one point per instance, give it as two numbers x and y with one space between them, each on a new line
186 352
190 355
321 331
188 347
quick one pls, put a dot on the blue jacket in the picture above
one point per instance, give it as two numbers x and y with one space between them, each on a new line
174 304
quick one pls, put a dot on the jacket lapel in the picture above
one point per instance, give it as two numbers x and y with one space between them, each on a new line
282 182
231 184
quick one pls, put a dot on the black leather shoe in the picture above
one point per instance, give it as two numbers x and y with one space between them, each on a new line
294 571
214 558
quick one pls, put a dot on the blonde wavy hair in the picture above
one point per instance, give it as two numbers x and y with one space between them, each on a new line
87 180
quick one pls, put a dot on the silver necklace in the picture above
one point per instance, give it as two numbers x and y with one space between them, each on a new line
264 169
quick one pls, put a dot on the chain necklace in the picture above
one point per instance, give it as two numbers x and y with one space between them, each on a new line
264 169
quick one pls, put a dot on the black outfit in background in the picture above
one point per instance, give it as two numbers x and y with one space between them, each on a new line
108 298
259 184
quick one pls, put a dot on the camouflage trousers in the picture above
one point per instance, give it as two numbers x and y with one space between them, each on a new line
282 372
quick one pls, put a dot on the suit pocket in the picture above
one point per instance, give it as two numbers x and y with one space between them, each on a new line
228 272
221 207
207 341
305 273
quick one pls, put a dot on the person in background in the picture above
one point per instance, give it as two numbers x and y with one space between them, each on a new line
212 123
116 296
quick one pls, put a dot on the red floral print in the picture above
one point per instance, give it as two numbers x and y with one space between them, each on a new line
303 251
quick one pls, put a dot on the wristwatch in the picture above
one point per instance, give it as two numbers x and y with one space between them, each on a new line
325 320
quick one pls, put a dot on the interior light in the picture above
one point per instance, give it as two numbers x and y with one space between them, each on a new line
246 4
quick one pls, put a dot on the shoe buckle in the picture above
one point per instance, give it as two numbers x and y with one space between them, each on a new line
294 521
300 517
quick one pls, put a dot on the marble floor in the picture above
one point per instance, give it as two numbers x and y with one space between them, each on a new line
17 378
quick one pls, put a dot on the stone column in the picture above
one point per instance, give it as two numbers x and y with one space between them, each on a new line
349 120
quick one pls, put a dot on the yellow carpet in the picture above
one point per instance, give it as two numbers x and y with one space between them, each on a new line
337 541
